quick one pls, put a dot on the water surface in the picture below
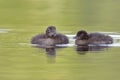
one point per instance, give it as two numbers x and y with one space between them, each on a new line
20 20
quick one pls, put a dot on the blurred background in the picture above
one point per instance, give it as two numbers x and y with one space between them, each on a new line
80 14
20 20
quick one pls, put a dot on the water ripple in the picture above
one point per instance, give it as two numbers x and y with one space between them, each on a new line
5 30
72 41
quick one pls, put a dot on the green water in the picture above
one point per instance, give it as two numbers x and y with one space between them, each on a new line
26 18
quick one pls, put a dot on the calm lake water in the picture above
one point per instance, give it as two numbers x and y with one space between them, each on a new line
20 20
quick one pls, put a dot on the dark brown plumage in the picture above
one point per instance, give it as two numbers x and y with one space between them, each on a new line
83 38
50 38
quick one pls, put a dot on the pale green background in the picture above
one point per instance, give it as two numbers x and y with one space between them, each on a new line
27 18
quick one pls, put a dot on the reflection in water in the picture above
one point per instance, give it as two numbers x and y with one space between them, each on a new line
83 49
51 55
51 51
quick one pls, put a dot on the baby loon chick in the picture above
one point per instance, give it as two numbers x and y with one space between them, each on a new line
83 38
50 38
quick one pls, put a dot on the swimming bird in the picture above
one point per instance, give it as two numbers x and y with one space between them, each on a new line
50 38
84 38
